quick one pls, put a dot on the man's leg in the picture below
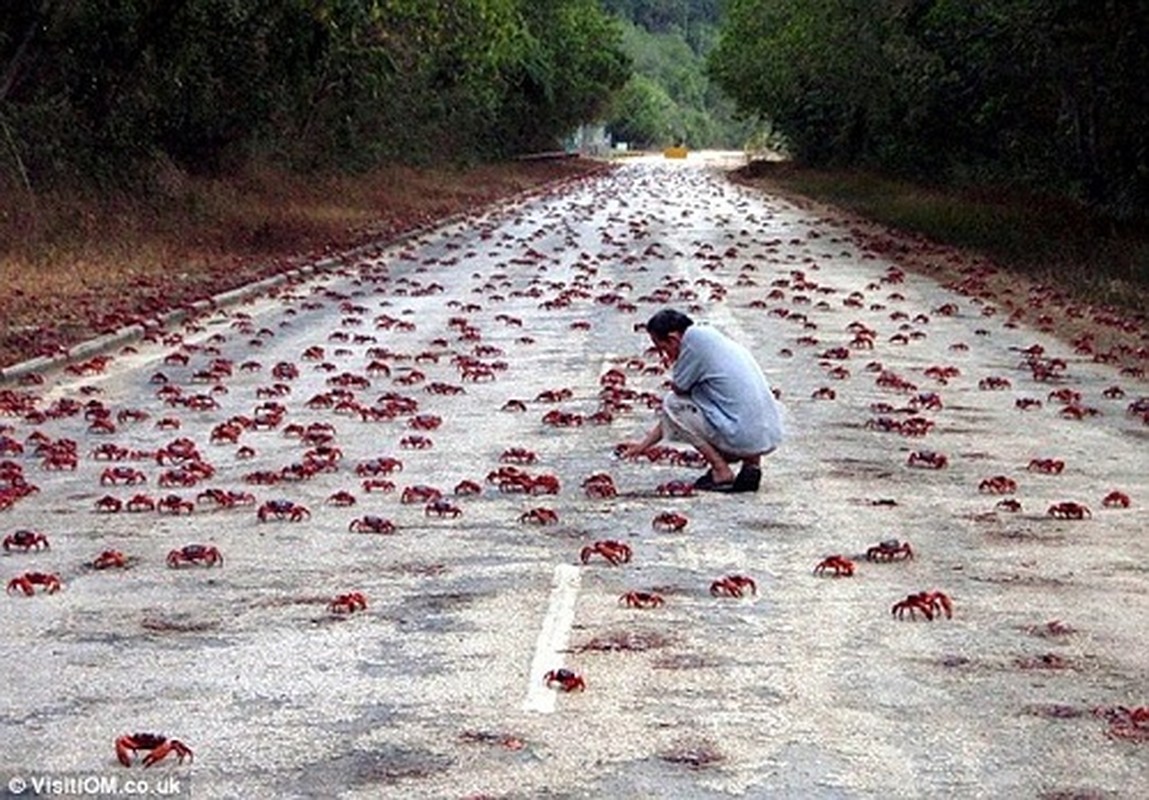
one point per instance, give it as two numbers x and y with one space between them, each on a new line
683 421
720 471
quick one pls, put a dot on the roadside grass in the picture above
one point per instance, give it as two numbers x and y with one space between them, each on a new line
73 265
1045 240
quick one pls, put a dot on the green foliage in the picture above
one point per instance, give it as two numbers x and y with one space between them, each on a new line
668 16
1047 94
643 114
105 89
671 99
572 63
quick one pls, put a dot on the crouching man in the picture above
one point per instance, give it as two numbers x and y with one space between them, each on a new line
720 402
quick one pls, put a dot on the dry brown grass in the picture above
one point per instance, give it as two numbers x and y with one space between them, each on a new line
73 266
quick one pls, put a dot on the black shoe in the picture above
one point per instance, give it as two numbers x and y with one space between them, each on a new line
748 480
707 484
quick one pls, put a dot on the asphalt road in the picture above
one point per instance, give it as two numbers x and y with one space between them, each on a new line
810 688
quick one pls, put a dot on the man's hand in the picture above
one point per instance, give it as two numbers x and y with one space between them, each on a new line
628 451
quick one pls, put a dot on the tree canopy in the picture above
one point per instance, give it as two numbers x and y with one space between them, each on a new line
670 99
100 89
1049 94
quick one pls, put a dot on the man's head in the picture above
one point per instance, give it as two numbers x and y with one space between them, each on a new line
666 329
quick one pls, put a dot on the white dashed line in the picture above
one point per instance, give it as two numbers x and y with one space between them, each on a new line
553 638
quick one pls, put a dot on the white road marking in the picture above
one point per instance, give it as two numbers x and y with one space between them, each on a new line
553 638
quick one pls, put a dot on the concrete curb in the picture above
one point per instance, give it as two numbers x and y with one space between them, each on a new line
233 297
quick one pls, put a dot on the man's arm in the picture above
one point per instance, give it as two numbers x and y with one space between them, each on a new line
634 449
689 367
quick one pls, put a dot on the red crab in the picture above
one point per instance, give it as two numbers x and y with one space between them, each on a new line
109 452
614 552
733 586
540 516
117 475
226 499
1078 412
282 509
341 499
998 484
842 566
141 502
677 488
174 504
929 603
420 494
1069 510
600 487
60 460
476 373
890 550
204 554
1065 396
927 459
225 433
642 600
1126 723
1008 504
442 507
554 395
378 485
542 484
348 603
109 505
1046 466
110 559
371 524
26 540
562 419
518 455
159 746
28 582
612 377
415 442
379 466
993 384
564 679
669 521
1116 499
467 488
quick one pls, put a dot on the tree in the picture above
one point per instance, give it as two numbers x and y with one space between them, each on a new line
644 115
104 90
571 64
1045 93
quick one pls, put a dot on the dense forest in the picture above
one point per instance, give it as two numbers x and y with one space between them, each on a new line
109 91
670 98
1050 95
1047 95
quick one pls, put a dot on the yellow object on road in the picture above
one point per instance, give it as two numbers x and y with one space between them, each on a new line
674 152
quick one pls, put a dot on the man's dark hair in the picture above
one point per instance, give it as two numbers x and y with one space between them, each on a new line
666 322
